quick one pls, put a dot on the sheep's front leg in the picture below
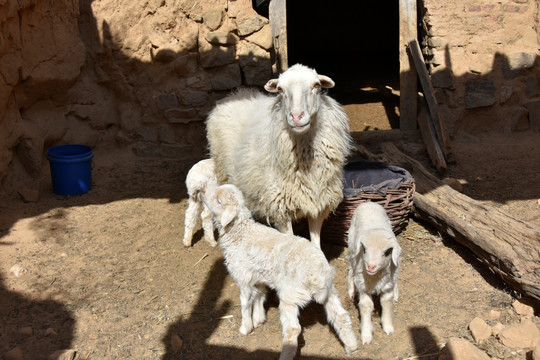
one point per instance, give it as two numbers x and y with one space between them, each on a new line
192 214
366 325
315 225
285 227
246 302
288 314
208 226
387 299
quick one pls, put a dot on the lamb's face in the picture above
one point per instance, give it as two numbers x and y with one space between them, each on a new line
378 250
223 201
299 88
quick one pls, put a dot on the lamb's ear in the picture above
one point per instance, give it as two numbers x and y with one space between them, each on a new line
326 82
227 216
271 86
395 254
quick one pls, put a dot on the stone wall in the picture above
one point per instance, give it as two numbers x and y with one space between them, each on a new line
119 73
483 57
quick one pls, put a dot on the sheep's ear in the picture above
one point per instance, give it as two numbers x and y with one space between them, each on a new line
271 86
326 82
227 216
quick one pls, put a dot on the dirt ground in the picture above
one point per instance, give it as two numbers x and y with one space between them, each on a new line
106 274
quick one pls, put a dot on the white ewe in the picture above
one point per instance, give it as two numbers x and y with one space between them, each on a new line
198 177
258 256
286 152
373 265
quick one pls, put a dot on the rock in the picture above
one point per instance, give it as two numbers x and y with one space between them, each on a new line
536 352
461 349
262 38
167 101
17 270
496 329
192 97
29 153
51 332
146 149
518 61
14 354
523 335
453 183
176 343
523 309
226 78
531 85
479 330
519 120
250 24
68 354
29 195
178 115
222 38
479 93
26 331
494 314
213 18
534 114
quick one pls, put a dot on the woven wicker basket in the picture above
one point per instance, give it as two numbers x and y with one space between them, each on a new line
396 201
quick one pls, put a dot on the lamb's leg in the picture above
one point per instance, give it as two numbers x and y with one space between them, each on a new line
315 225
259 315
192 214
246 302
288 313
366 310
387 299
208 226
350 282
340 320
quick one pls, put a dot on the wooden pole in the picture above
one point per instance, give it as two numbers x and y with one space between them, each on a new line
278 21
407 72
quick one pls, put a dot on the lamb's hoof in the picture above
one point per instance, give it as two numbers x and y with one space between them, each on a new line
244 330
186 243
367 338
388 329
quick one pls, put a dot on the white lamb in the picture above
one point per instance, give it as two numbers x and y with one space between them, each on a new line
258 256
373 265
199 177
286 152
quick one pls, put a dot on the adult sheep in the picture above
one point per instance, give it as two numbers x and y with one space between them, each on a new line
285 153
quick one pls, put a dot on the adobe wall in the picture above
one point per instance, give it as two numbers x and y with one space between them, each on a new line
484 61
119 73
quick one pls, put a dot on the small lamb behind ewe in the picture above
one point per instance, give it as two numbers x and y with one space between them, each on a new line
285 153
258 256
199 177
373 265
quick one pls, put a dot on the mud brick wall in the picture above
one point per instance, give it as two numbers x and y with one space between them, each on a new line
483 57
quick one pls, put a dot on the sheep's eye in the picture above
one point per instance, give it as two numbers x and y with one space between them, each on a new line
388 252
219 201
317 86
363 249
279 89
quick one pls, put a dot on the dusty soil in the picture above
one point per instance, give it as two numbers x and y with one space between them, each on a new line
106 273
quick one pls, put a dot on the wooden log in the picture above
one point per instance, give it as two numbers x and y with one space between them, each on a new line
379 136
508 246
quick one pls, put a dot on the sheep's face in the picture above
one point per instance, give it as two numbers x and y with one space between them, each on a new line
379 249
223 201
299 88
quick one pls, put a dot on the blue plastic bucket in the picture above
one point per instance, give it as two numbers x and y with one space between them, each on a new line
71 169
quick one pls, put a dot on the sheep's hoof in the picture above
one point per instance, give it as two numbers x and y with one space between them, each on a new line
244 330
388 329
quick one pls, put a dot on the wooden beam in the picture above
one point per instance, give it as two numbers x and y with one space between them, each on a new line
425 81
508 246
430 137
407 72
379 136
278 22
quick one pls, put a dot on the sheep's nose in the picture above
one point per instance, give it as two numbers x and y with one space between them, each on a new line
297 117
371 268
